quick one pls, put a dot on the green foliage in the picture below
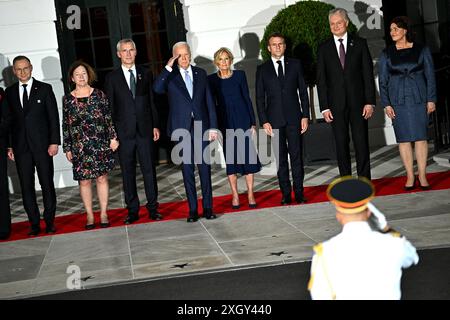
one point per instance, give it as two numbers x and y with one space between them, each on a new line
305 26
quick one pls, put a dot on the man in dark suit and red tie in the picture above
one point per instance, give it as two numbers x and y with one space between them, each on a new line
129 90
5 212
192 114
283 110
35 139
346 89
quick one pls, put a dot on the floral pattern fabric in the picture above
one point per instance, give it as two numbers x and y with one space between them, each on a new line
87 132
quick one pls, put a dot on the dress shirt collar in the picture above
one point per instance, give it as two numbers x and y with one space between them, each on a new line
356 227
344 37
126 70
189 70
275 64
29 84
274 60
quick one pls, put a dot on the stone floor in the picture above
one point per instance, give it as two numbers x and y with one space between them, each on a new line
243 239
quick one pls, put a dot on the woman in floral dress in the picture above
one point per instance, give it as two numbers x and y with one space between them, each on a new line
89 139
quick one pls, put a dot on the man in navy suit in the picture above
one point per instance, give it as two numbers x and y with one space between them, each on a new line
283 110
192 113
5 212
130 95
35 137
346 89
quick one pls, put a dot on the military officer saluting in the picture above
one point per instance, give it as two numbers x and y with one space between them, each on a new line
359 263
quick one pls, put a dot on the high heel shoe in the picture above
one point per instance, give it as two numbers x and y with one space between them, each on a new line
252 205
90 226
409 188
104 221
105 224
428 187
235 206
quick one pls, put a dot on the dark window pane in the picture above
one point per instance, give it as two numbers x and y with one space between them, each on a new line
99 21
83 51
137 17
157 67
142 48
101 78
160 46
103 53
156 16
84 32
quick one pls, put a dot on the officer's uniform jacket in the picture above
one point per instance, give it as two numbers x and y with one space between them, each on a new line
360 263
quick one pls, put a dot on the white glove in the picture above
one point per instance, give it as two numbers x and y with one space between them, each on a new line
378 218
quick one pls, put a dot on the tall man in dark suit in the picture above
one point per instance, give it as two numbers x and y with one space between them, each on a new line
5 212
129 91
283 110
346 90
35 137
192 113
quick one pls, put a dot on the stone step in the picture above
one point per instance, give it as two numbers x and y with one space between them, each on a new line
443 159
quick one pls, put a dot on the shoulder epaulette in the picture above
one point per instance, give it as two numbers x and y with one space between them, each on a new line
318 248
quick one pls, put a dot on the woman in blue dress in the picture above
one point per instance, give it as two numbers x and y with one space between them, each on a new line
408 95
237 123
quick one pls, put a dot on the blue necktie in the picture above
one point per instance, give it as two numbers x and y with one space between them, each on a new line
189 84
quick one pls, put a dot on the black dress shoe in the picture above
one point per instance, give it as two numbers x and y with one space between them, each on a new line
50 229
208 214
4 236
193 217
90 226
155 216
131 219
286 200
34 232
300 198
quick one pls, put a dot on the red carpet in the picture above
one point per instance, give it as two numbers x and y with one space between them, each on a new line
265 199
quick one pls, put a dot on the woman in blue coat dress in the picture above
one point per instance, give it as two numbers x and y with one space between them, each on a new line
237 123
408 95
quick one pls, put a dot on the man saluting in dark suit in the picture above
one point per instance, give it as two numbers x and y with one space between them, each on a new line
129 91
280 87
346 91
191 107
35 138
